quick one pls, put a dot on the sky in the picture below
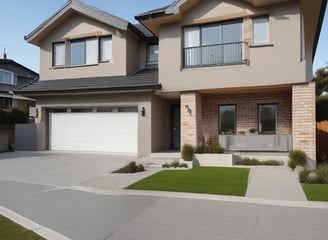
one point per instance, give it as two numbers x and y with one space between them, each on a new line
20 17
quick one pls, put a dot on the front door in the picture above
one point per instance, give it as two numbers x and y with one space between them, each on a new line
175 127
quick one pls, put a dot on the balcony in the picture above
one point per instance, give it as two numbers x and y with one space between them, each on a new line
216 55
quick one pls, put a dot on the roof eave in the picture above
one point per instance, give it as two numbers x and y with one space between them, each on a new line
82 8
157 86
319 26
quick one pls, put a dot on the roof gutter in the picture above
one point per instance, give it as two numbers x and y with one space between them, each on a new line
157 86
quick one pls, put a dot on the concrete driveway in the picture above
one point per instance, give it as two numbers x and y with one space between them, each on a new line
58 169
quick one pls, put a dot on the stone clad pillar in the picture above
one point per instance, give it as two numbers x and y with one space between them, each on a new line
304 119
190 118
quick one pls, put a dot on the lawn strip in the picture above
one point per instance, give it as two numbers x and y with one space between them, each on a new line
209 180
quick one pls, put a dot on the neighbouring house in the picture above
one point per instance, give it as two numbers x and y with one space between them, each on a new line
189 72
12 76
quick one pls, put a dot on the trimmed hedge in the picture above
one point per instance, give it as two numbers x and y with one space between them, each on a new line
13 116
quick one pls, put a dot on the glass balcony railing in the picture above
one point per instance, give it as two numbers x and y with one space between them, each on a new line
215 55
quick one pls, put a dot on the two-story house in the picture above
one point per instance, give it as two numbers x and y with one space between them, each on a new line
192 71
12 76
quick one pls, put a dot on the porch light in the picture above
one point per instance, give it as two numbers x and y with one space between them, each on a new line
142 111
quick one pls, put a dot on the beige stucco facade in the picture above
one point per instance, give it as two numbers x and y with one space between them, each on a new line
277 72
125 56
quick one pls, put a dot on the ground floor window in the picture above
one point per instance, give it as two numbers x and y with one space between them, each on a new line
267 117
227 119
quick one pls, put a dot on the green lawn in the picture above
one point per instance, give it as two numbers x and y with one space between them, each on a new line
316 192
12 231
211 180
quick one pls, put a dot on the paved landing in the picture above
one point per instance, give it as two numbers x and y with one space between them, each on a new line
275 183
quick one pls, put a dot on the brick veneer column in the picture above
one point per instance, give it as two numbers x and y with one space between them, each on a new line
190 122
304 120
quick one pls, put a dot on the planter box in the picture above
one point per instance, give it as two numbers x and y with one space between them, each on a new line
212 160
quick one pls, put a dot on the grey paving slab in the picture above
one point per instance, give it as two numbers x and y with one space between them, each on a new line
275 183
15 191
80 215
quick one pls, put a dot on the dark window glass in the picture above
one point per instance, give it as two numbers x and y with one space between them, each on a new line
227 119
81 110
104 109
267 118
127 109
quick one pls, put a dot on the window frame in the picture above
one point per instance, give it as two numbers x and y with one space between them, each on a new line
148 62
54 54
220 122
259 119
12 81
267 41
198 29
68 54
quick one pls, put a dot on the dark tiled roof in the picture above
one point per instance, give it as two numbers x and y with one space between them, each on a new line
142 80
144 30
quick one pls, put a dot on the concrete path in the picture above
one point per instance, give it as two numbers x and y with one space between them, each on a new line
275 183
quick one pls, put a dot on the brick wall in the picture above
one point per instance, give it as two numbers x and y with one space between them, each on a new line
304 122
247 111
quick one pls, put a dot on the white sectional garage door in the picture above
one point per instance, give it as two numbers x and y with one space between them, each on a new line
105 132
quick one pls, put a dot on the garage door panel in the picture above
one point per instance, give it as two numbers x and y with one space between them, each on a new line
109 132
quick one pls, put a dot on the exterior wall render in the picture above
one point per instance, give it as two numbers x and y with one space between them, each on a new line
304 119
246 111
191 121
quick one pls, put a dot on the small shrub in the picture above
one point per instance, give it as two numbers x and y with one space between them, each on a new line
298 156
304 176
250 162
256 162
166 165
140 168
242 132
292 164
252 130
210 148
183 165
322 174
175 164
131 167
187 152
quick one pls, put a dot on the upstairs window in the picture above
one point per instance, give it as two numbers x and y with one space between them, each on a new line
59 54
213 44
152 54
261 30
81 52
105 49
7 77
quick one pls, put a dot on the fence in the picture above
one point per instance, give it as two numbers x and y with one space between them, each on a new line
7 136
322 139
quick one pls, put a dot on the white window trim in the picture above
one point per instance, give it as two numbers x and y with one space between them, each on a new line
67 52
12 77
260 43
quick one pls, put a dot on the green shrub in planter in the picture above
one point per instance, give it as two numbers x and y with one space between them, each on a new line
187 152
298 156
304 176
292 164
322 174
